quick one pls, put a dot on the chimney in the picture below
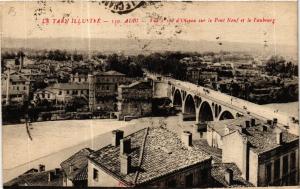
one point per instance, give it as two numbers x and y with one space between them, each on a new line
229 176
247 123
51 176
265 128
252 122
56 171
117 135
41 167
125 163
71 168
125 146
278 137
269 122
274 122
186 138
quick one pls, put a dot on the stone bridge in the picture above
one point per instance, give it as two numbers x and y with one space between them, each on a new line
203 104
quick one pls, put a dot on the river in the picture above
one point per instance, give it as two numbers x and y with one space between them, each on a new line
55 141
290 108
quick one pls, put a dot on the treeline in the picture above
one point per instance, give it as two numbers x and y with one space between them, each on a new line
166 63
278 66
57 55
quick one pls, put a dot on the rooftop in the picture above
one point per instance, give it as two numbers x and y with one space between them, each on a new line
156 152
260 140
138 84
69 86
111 72
75 167
218 174
33 178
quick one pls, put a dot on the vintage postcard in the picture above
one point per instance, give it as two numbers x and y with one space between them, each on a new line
164 94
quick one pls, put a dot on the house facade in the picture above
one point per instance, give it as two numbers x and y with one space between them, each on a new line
135 99
267 155
15 88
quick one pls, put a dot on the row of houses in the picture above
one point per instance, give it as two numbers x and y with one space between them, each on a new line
242 152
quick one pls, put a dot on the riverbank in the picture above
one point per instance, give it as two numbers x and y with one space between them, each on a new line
55 141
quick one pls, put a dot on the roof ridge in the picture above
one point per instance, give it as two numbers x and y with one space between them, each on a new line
141 155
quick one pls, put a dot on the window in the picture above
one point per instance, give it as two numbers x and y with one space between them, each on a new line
189 180
268 173
277 169
17 87
172 183
95 174
293 160
24 88
285 165
48 95
60 93
68 92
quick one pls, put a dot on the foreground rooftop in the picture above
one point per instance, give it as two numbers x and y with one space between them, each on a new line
156 152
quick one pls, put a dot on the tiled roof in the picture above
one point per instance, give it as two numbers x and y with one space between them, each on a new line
156 152
16 77
36 179
260 140
69 86
218 174
111 72
231 124
138 84
47 89
78 162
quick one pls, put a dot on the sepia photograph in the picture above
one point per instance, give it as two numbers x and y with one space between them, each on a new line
150 94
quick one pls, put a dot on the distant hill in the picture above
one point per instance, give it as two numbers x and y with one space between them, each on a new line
136 46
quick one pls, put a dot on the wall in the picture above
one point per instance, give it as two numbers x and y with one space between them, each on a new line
104 179
253 168
198 179
214 139
160 89
234 150
134 108
270 157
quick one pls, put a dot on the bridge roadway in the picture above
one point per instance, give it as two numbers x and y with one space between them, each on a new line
240 105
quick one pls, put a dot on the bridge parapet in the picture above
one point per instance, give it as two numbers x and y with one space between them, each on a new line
253 109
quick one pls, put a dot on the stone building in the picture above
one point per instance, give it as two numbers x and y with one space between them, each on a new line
63 92
78 78
266 154
103 87
15 88
135 99
150 157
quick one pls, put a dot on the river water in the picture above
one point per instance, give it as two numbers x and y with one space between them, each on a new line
290 108
55 141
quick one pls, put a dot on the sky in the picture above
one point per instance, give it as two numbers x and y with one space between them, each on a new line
18 21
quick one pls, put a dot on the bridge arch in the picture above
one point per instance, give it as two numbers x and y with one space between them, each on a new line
189 105
226 115
205 112
177 99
